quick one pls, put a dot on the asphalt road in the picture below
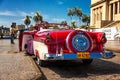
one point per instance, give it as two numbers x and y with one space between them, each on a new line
18 66
100 69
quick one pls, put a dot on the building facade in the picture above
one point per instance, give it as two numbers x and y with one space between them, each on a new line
4 31
105 13
20 27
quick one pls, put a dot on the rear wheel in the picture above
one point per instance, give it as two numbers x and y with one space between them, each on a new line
87 61
42 63
25 47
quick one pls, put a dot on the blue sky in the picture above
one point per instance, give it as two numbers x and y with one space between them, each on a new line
51 10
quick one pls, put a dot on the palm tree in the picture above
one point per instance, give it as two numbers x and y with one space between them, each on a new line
27 20
86 19
77 12
70 14
64 22
73 24
38 18
75 9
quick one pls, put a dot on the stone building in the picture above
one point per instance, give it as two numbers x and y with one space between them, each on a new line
4 31
105 13
20 27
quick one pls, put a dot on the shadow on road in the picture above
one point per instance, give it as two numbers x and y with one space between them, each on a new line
76 69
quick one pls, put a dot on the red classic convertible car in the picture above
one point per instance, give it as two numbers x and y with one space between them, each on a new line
68 44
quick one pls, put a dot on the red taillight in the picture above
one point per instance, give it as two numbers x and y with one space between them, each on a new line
48 36
101 38
47 41
104 39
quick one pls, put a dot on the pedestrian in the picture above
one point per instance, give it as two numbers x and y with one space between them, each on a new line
12 33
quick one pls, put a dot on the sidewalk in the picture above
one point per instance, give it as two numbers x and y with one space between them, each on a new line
15 65
113 45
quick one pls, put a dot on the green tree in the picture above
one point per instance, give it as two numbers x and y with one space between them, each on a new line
86 19
75 9
56 27
83 26
77 13
73 24
38 18
27 20
70 14
64 22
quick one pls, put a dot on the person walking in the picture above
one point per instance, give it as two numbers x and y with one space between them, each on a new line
12 33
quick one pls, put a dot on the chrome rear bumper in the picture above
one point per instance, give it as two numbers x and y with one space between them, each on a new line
72 56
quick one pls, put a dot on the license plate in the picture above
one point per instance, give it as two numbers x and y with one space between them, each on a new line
83 55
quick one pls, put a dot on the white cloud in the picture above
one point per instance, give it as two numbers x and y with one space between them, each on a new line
32 13
14 13
19 13
22 13
45 16
17 16
7 13
5 22
58 19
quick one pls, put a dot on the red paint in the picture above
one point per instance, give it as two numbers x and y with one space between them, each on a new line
21 37
72 34
58 40
20 41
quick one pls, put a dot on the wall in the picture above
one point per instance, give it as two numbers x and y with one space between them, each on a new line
112 33
94 1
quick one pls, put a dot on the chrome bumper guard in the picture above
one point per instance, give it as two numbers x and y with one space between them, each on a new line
70 56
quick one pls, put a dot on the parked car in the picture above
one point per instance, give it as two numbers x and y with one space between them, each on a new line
66 44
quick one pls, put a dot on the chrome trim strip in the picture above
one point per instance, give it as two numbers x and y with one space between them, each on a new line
70 56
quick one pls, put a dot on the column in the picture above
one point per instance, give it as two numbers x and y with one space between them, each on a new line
93 16
101 13
109 12
113 11
118 7
97 14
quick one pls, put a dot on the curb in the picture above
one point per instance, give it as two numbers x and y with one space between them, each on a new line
39 75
